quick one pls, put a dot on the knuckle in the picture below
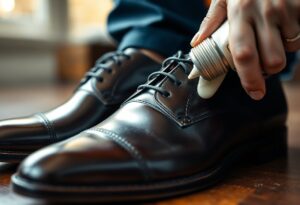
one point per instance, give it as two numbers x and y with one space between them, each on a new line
269 11
280 5
205 21
247 53
210 18
246 4
273 66
274 8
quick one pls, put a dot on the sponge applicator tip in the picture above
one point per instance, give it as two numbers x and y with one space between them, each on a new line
194 73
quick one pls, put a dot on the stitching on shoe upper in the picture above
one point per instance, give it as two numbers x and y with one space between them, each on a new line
158 106
49 126
162 109
129 148
188 104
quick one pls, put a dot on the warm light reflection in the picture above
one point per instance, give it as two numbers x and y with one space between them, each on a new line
7 6
18 9
88 15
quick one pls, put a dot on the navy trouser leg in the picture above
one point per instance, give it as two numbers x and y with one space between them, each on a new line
164 26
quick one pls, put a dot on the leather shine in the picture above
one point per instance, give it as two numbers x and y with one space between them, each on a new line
91 103
153 138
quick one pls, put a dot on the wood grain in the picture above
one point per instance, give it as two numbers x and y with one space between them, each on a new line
274 183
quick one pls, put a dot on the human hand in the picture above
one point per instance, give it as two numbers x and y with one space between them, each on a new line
257 39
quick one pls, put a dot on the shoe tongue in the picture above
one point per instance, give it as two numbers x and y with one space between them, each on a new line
104 61
107 61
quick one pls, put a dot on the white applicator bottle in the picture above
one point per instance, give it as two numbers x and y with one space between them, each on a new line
212 60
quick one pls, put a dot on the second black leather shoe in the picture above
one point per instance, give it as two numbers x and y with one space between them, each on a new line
164 141
114 77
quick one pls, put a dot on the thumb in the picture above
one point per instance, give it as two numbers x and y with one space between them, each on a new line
214 18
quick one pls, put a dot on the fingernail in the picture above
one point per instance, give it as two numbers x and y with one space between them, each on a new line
256 95
195 38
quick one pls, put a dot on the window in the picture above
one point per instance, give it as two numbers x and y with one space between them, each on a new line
53 19
18 10
24 18
88 18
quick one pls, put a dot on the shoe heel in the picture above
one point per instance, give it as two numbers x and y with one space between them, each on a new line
274 147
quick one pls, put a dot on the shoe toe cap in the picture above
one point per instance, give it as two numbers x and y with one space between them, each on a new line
21 131
84 159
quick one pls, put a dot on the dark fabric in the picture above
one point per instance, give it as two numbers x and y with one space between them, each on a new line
164 26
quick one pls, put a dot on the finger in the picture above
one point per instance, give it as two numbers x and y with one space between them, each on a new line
271 48
289 15
245 56
288 35
215 17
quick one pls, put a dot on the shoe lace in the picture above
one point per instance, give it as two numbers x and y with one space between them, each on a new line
176 60
100 64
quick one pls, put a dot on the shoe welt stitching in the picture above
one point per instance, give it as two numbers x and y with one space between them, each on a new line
128 147
48 125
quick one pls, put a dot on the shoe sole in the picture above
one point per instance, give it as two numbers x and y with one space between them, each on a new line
13 157
264 152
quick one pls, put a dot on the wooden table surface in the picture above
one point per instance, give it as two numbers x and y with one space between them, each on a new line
277 182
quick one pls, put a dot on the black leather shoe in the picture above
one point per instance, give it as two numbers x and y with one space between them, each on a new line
164 141
114 78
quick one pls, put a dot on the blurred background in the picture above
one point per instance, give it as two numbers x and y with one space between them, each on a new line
46 46
50 41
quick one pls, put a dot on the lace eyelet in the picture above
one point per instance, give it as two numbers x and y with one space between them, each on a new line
166 94
178 83
100 80
109 71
